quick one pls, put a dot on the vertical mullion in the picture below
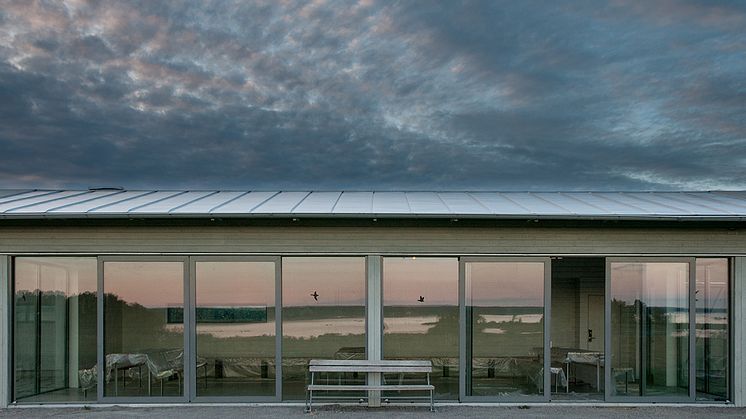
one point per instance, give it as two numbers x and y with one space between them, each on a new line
644 324
692 328
462 329
100 332
373 322
547 329
608 362
191 330
278 328
7 306
187 358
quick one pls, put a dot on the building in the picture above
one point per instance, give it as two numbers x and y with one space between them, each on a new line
129 296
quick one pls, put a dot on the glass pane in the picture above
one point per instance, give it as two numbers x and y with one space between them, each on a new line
420 316
712 329
323 317
55 329
235 319
650 329
144 328
505 328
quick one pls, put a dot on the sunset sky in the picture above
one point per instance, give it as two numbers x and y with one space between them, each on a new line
373 94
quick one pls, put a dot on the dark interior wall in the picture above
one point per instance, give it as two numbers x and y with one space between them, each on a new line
573 279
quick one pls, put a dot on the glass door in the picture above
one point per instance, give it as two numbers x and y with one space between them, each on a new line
648 335
142 336
505 329
236 313
420 316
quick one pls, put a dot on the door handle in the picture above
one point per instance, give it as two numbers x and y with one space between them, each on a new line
590 335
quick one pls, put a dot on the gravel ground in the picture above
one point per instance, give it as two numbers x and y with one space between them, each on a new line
202 412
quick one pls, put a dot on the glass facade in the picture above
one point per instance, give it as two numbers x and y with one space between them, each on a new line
323 316
505 328
143 329
633 317
712 343
420 316
650 329
54 329
235 329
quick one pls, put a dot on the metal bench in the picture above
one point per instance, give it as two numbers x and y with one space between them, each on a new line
317 366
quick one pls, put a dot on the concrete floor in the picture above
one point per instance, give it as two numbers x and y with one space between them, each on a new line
202 412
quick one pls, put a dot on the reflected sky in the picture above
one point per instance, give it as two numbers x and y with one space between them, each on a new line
406 279
505 284
150 284
658 284
336 280
71 276
221 284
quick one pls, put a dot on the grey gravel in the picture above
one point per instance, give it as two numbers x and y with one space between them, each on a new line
203 412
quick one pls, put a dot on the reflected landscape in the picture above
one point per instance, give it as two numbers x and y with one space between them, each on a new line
420 318
505 329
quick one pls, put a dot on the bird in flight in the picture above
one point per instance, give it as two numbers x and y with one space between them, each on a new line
421 299
315 296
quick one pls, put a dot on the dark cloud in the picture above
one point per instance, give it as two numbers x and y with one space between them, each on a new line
370 94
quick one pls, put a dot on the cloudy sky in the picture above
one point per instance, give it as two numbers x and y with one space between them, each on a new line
514 95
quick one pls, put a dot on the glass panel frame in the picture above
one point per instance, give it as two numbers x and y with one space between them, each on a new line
82 281
702 396
192 328
547 297
285 260
187 338
441 259
609 397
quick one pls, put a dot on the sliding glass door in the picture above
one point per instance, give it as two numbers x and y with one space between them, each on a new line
504 330
323 316
420 316
236 328
143 339
650 322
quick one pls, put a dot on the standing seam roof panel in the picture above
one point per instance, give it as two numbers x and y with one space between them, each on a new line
61 203
244 203
536 205
318 203
354 203
85 207
498 204
390 202
127 205
168 204
695 206
282 203
427 203
25 195
207 202
462 203
36 200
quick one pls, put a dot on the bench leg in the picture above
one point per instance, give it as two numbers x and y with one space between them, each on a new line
308 401
432 405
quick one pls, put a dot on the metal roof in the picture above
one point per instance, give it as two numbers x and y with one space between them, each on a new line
112 203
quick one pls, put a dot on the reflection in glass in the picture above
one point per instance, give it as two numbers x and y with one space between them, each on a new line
54 329
420 316
505 328
143 329
235 320
712 329
650 328
323 316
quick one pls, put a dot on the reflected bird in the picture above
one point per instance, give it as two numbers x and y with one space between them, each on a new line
421 299
315 296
